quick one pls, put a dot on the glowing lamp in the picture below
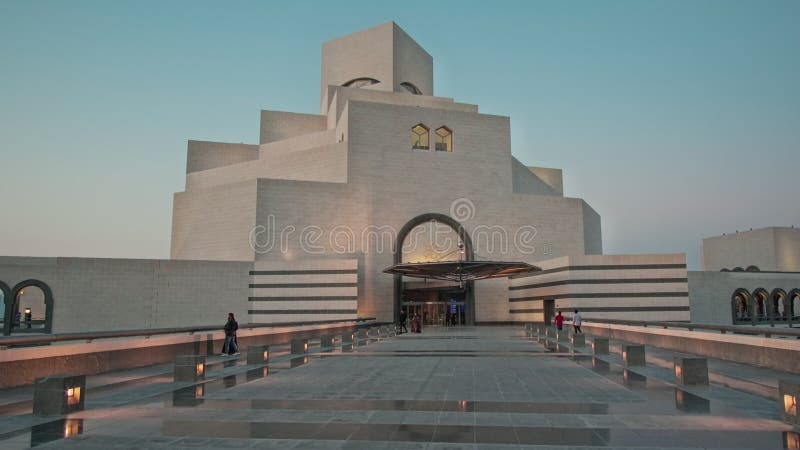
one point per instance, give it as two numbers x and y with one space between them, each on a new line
790 404
791 440
789 391
73 395
72 427
190 368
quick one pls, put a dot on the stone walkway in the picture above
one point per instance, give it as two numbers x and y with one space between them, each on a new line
448 388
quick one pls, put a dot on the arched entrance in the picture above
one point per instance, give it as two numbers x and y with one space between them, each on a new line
29 308
434 237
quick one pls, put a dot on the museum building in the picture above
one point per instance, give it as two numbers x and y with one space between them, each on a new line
305 224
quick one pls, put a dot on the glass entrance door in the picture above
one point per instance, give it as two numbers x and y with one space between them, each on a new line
437 313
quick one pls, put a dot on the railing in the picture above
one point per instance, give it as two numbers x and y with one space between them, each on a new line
766 332
90 336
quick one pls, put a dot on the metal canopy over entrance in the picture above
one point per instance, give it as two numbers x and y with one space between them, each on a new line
461 271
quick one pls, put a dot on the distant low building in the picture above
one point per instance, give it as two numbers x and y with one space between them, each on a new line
771 249
749 277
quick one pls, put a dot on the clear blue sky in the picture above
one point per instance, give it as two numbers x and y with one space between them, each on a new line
675 120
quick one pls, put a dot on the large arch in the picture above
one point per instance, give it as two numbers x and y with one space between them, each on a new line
741 306
48 303
469 255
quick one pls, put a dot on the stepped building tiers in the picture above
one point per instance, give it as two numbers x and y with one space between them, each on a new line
302 225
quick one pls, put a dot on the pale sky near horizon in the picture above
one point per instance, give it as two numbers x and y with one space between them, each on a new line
674 120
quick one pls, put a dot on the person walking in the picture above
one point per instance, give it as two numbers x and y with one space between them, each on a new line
559 321
576 322
403 320
230 346
416 324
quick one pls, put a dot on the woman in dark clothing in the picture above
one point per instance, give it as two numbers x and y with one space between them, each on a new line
230 347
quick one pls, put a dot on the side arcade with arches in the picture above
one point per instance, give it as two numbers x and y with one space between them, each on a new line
765 307
27 307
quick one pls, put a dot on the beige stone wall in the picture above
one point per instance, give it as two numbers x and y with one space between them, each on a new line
280 125
303 289
526 182
323 163
203 155
412 64
628 287
711 292
787 249
743 249
96 294
367 53
551 177
214 223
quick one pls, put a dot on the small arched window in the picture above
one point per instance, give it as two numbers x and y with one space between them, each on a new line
420 138
444 139
360 82
410 88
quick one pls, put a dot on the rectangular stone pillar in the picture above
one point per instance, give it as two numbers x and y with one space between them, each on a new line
600 346
257 354
577 341
348 337
633 355
562 336
57 395
299 346
190 368
690 371
788 394
326 341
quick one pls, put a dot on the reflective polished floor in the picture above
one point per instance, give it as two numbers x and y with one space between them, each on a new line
447 388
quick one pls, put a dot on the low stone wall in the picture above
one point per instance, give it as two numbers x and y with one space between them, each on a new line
773 353
21 366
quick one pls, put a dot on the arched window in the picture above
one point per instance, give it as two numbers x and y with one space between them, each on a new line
779 303
420 137
444 139
360 82
410 88
793 306
761 301
740 303
31 308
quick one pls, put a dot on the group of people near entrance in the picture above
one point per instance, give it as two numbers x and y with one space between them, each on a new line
231 346
576 322
416 322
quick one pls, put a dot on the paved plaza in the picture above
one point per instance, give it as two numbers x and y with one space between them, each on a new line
447 388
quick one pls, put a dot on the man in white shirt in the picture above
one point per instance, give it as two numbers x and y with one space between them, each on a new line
576 322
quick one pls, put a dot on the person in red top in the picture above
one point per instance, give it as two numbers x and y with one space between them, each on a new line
559 321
